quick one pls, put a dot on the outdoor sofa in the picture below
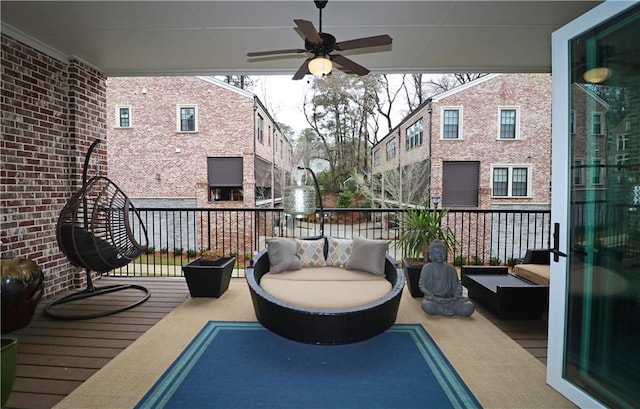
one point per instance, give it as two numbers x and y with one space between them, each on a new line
325 290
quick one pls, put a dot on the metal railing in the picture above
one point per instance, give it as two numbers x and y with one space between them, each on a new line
177 236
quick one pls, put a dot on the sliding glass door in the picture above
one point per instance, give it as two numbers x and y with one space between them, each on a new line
594 332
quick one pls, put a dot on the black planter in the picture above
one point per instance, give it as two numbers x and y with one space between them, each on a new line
209 278
412 274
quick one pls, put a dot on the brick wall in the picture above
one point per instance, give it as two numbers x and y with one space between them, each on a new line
51 111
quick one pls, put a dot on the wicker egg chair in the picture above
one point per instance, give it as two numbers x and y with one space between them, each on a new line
95 232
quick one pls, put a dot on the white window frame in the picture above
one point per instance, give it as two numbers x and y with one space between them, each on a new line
179 108
414 134
510 168
517 130
376 157
118 108
578 172
622 141
592 123
392 143
460 122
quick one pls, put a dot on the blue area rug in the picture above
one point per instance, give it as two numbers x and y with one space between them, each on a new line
243 365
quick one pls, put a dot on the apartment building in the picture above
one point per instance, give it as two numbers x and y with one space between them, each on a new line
485 144
194 142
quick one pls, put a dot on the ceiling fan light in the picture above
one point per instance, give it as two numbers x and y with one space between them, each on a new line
320 66
597 75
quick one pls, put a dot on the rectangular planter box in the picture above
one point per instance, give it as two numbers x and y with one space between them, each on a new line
209 279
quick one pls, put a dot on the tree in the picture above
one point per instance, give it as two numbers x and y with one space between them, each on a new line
340 110
240 81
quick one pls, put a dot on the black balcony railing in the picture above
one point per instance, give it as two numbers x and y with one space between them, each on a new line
177 236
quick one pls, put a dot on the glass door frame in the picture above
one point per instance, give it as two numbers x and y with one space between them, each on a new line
560 168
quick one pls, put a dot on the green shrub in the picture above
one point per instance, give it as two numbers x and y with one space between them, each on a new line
345 199
164 250
511 261
477 261
150 250
459 261
495 261
191 253
177 251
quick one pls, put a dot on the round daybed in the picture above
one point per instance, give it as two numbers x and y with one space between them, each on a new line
324 325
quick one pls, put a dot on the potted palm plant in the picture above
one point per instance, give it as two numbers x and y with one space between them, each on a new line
210 274
420 226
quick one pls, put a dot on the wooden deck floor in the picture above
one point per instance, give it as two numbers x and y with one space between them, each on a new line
56 356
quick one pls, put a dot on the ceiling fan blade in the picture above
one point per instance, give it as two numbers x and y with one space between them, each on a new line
309 31
374 41
349 65
303 70
263 53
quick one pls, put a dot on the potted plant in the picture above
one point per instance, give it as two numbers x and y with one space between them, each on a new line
22 288
209 275
420 226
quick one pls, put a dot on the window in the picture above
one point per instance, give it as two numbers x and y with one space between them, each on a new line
260 129
597 172
414 134
622 142
123 117
621 160
187 118
391 149
460 183
224 176
596 124
578 172
451 123
510 181
376 157
508 128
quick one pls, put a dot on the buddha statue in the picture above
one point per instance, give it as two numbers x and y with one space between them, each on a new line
441 287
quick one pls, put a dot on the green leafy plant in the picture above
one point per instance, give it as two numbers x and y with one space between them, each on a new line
178 251
191 253
150 250
511 261
459 261
345 199
477 261
421 226
495 261
164 250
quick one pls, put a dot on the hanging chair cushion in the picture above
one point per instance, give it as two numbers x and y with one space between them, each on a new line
88 251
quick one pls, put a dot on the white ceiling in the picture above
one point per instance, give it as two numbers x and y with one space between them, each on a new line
213 37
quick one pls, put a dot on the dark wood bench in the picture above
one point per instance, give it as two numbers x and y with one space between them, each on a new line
506 295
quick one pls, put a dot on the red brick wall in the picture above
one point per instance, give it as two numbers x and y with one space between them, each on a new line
51 111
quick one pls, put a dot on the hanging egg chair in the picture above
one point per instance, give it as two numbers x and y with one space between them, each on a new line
97 231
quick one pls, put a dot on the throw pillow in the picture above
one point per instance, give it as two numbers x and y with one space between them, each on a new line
368 255
311 253
282 255
339 251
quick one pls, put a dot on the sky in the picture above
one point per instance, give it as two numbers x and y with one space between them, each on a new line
283 97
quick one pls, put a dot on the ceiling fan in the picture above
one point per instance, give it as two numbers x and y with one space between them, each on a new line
321 45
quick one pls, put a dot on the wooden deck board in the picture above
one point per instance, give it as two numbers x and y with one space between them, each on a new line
56 356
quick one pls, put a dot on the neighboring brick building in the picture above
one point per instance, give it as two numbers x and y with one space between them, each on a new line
485 144
195 142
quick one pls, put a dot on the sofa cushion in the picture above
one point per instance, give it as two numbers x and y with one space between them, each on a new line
326 287
536 273
311 252
282 255
339 251
368 255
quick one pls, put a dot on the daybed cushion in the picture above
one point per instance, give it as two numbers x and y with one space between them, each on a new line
368 255
536 273
282 255
326 287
